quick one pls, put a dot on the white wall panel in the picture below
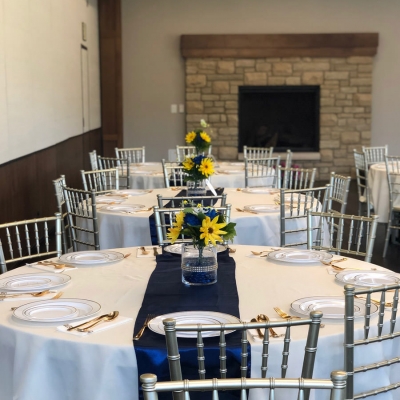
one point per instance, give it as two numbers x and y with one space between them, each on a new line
40 73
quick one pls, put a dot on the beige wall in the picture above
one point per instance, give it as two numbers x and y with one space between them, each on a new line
153 70
40 73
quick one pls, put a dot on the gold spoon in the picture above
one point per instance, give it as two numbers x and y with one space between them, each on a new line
127 255
55 264
106 318
264 318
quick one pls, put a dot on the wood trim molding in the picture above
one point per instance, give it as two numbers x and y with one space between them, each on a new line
280 45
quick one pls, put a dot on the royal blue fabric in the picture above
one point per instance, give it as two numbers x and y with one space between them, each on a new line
165 293
182 193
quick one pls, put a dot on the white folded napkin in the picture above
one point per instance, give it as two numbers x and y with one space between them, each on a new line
280 331
23 297
98 328
50 268
139 253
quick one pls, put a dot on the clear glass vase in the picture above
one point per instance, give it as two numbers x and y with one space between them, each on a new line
199 265
196 188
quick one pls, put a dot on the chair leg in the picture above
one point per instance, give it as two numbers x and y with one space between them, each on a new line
388 231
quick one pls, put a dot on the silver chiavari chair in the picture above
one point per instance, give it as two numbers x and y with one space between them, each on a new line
374 155
136 155
65 232
203 200
288 162
173 174
82 217
187 151
340 191
123 166
257 152
336 385
172 330
32 242
350 343
353 235
296 178
261 172
362 182
102 180
393 177
93 160
164 217
293 212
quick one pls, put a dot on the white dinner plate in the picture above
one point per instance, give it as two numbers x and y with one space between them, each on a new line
91 257
193 317
331 306
177 248
299 256
36 282
367 278
59 310
126 209
260 190
263 208
109 199
133 192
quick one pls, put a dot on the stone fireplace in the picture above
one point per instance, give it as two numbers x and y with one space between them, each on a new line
218 66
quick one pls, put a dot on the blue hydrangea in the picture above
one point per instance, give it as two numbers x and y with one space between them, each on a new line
191 219
197 160
210 212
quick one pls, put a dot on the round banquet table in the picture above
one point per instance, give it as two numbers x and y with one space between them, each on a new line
37 361
379 191
227 174
119 229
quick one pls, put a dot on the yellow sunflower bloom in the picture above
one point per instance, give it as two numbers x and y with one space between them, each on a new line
206 167
188 164
211 230
179 219
190 137
205 137
174 233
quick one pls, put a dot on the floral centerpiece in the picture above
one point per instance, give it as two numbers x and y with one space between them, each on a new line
197 169
199 139
205 226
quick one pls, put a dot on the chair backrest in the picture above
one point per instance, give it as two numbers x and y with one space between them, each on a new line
288 162
65 233
293 212
296 178
264 327
123 166
353 235
349 343
261 172
362 180
164 218
102 180
82 217
181 388
257 152
375 154
176 202
339 193
186 151
135 155
174 174
31 242
93 160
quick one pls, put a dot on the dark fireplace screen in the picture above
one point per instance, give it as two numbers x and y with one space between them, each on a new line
285 117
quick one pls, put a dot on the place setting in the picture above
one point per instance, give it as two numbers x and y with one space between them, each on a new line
93 258
130 192
126 209
258 190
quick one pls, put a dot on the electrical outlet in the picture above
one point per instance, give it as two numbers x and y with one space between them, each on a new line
174 108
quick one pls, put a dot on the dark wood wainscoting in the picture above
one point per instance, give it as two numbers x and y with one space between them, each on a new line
27 189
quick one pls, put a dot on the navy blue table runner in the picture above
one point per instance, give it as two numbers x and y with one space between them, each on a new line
165 293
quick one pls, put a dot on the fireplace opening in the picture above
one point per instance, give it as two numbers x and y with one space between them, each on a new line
285 117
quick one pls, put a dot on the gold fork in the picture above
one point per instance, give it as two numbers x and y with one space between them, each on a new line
145 325
264 318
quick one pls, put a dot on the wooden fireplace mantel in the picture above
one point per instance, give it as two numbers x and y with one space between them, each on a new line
280 45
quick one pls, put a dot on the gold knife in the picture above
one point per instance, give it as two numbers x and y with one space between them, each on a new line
70 328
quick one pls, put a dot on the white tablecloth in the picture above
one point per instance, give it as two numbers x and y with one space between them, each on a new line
379 191
38 362
150 176
125 230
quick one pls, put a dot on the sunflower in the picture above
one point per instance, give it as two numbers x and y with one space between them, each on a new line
174 233
179 219
206 167
211 230
188 164
205 137
190 137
